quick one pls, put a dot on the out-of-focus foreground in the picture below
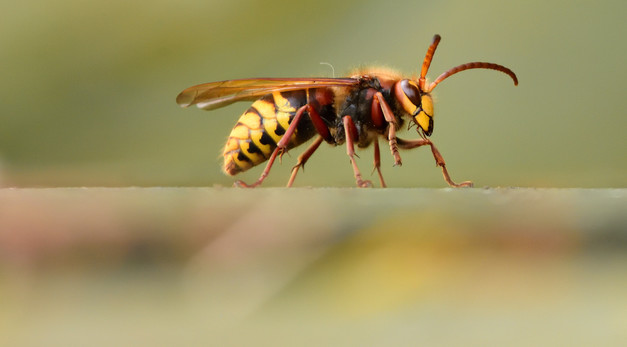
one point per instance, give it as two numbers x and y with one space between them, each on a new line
310 266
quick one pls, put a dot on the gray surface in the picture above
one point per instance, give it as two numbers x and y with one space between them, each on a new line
166 266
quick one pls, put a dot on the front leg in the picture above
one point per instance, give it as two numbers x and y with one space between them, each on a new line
439 160
378 102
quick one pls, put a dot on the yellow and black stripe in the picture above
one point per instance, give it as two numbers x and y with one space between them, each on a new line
259 129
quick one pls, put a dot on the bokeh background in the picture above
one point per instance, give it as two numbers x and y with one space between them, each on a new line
88 100
89 87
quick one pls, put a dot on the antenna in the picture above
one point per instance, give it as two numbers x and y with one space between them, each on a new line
427 62
468 66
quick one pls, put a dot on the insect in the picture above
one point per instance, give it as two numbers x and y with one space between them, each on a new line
358 110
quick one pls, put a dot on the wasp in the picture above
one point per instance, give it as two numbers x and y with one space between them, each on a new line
369 105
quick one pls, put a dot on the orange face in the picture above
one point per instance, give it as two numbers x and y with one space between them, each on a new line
416 103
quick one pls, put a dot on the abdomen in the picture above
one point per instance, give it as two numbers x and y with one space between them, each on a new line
254 137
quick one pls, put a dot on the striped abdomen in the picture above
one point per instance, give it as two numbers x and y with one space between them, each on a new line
254 137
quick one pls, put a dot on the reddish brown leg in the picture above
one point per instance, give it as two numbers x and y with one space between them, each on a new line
439 160
377 162
280 148
389 117
302 159
350 129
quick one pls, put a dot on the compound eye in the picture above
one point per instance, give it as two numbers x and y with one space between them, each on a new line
411 91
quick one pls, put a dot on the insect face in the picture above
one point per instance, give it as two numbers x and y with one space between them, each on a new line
424 114
416 103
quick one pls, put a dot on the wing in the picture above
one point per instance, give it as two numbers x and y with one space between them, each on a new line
214 95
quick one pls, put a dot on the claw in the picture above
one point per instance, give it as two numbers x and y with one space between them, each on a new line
465 184
364 184
282 152
242 184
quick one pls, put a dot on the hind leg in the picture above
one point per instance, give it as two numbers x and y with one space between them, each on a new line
280 148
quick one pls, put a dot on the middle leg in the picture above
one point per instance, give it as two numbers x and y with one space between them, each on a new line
351 130
377 162
302 159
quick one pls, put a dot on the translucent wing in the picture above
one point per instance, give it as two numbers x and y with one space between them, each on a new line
209 96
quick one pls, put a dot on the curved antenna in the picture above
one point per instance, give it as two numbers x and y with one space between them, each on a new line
427 62
468 66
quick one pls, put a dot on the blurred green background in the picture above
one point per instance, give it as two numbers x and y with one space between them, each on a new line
89 87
